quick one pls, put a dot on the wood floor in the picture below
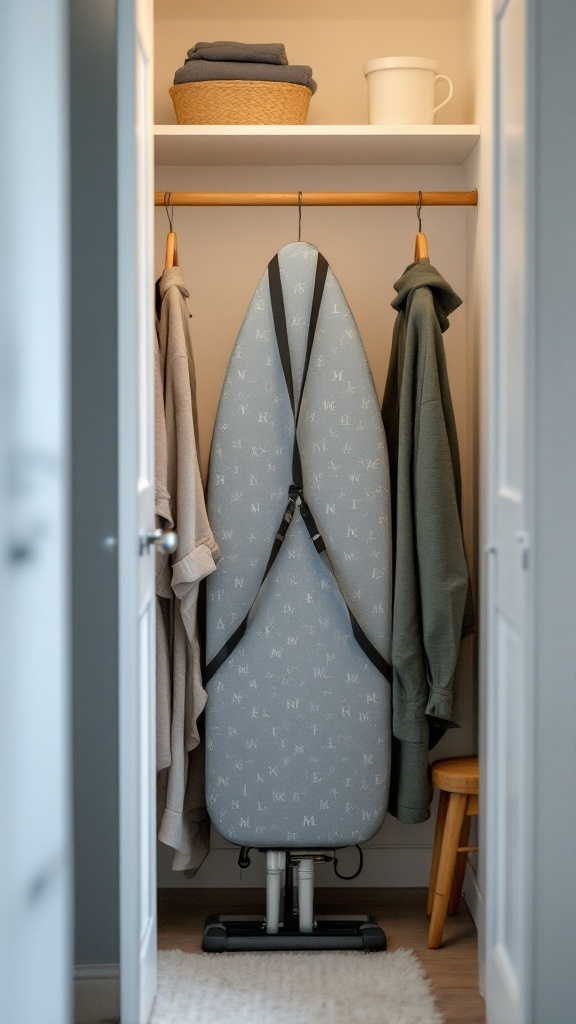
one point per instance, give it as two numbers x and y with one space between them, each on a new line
453 969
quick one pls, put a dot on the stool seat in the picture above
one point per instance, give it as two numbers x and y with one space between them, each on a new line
457 778
457 775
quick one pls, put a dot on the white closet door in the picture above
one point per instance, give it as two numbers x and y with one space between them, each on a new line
136 495
35 798
507 770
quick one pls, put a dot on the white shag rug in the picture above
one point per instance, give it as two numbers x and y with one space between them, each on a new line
293 988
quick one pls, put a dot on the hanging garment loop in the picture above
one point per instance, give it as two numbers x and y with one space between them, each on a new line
170 216
419 210
299 216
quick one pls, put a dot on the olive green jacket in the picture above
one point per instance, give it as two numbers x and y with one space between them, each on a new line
432 598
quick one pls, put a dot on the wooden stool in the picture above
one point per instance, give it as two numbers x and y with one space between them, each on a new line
457 780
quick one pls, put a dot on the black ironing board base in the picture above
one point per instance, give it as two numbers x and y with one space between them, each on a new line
233 933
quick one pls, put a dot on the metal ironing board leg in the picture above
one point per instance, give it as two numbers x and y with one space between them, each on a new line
296 928
275 865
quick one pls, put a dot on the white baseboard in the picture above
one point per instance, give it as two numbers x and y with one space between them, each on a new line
472 893
392 867
96 994
477 907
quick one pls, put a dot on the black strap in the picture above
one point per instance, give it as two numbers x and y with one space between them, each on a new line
370 651
319 285
296 488
238 633
279 314
360 637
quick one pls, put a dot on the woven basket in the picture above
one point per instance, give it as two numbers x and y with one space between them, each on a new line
240 102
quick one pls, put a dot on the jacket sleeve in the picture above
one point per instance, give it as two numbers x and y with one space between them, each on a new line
442 564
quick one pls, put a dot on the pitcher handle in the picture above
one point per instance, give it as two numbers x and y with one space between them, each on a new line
449 96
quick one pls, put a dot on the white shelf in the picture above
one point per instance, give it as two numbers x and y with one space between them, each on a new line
314 144
289 9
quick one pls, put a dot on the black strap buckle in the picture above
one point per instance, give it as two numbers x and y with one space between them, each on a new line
310 524
295 492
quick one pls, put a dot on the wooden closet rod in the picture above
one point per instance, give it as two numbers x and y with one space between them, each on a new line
315 198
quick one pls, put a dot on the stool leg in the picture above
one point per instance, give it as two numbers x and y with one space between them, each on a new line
438 834
460 869
448 854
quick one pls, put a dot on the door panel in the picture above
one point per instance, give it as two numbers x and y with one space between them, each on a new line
136 489
507 769
35 845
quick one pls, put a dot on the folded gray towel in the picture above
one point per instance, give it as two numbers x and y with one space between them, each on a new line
231 71
255 53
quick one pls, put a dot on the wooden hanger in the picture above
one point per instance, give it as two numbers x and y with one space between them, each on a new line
171 250
171 259
421 247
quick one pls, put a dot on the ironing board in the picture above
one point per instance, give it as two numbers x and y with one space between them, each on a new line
299 611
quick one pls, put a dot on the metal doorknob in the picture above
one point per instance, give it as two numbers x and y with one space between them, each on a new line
163 540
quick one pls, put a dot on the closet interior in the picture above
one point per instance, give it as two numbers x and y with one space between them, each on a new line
223 250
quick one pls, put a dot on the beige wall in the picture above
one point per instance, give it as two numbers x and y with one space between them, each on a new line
223 253
335 49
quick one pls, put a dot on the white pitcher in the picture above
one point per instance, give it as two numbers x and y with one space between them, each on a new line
401 90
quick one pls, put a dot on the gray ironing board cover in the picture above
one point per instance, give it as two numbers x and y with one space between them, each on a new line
298 723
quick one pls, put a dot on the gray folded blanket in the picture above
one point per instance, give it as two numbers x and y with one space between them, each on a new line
235 71
255 53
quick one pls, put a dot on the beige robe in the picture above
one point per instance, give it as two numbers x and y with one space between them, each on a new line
163 582
183 822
